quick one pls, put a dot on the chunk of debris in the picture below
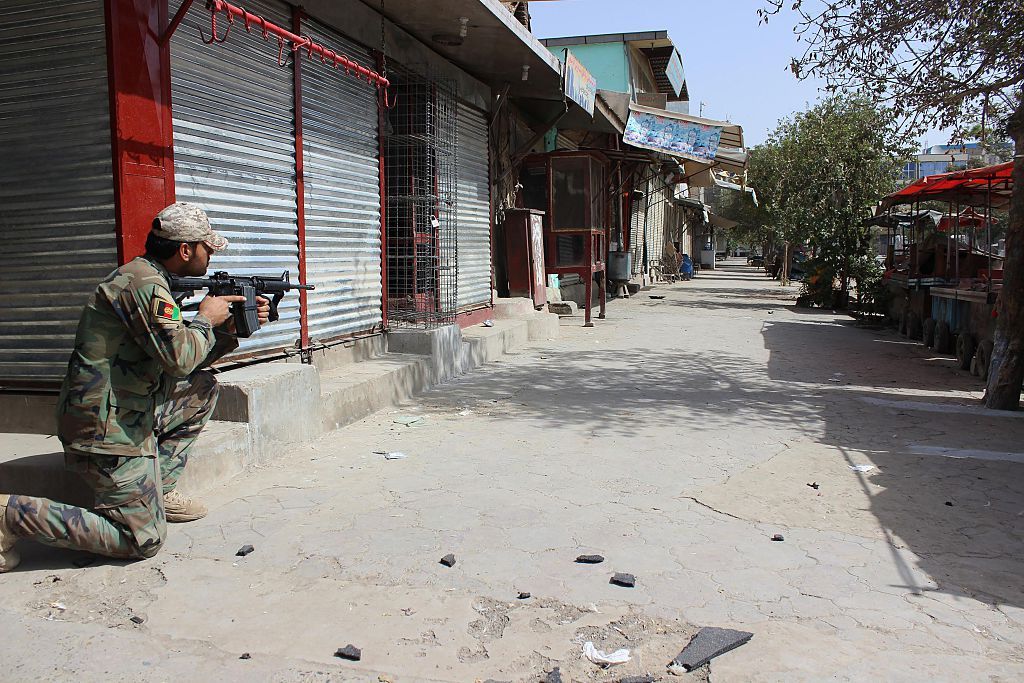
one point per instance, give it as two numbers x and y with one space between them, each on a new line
58 606
863 468
710 642
620 579
349 652
949 503
590 559
523 595
553 676
638 679
656 296
778 537
815 485
246 655
488 323
136 619
244 550
448 560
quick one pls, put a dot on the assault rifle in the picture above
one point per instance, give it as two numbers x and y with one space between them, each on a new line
222 283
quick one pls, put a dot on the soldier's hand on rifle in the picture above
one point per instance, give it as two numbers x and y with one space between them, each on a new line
217 309
263 310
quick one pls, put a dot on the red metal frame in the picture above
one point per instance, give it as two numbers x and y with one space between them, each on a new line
300 184
298 42
381 105
141 135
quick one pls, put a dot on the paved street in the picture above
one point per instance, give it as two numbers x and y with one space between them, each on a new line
675 438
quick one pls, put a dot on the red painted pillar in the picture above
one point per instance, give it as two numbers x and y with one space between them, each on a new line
139 82
300 181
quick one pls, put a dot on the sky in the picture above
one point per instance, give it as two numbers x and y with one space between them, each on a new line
739 69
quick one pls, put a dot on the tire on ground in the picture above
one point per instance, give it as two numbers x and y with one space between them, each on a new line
964 350
928 332
943 337
984 357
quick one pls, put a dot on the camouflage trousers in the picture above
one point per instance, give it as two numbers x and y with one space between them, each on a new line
127 519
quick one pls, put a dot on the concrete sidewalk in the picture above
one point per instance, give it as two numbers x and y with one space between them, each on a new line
675 439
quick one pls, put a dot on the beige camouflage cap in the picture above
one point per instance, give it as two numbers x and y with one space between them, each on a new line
184 222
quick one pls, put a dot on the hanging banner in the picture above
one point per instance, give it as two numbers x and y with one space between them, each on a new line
580 86
663 132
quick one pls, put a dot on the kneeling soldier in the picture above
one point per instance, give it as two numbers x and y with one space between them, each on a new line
134 400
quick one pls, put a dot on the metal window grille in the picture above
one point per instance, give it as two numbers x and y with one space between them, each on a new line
420 148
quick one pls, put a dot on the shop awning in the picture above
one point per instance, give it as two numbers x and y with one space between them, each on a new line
973 187
722 222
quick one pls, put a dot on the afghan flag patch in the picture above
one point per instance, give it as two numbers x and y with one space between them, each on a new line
165 310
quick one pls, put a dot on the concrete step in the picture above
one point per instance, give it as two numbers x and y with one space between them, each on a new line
33 464
512 308
351 393
487 344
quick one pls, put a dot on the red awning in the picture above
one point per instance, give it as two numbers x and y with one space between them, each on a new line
973 187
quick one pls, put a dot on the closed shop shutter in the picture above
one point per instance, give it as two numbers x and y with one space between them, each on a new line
56 187
656 221
234 151
473 235
342 187
638 229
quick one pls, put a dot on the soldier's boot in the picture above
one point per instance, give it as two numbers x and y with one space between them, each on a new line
180 508
9 558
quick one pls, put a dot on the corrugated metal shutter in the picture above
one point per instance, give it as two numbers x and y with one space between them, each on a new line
234 151
637 229
57 232
656 225
342 176
473 234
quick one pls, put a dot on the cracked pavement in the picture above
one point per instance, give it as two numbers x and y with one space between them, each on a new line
676 438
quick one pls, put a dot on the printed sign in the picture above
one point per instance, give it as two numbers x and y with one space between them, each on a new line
674 72
580 86
674 136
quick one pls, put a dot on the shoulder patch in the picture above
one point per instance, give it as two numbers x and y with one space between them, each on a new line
165 311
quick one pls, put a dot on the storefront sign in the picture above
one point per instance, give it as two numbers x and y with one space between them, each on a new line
580 86
664 133
674 72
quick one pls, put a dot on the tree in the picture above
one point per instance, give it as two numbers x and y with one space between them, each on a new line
944 63
819 175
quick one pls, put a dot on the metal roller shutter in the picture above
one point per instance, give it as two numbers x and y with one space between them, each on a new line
342 188
234 151
473 234
656 225
638 229
56 186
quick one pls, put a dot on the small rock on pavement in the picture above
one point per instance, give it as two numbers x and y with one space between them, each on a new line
553 676
620 579
244 550
590 559
448 560
349 652
246 655
523 595
707 644
949 503
778 537
136 619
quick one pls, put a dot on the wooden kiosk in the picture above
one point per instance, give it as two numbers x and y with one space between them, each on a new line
570 188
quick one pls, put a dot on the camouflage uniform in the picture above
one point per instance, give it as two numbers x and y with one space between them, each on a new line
132 404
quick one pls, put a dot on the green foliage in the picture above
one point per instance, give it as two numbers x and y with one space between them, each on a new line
820 174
